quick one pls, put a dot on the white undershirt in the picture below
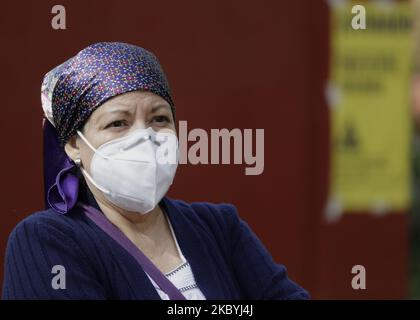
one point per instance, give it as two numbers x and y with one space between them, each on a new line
182 277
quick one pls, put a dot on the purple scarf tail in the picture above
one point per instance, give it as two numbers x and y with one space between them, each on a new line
61 183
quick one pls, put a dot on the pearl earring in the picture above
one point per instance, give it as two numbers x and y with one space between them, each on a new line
78 162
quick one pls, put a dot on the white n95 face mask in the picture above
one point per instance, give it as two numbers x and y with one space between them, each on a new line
134 172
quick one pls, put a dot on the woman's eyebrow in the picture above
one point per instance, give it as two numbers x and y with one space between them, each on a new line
114 111
159 106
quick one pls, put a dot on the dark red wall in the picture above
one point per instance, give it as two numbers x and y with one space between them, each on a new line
231 64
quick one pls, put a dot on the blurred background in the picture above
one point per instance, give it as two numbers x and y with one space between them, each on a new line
340 106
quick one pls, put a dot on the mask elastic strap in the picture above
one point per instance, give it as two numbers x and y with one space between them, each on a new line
89 177
85 173
90 145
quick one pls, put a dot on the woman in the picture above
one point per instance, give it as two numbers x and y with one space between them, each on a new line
109 232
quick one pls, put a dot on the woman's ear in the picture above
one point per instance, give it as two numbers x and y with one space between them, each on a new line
72 148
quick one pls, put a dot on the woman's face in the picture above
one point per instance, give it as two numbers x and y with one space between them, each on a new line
120 116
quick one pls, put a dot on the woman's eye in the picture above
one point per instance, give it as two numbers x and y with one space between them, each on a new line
161 119
116 124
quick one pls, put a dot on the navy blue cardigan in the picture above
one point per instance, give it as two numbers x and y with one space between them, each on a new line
227 259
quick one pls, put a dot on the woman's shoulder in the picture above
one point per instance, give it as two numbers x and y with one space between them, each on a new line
44 245
46 224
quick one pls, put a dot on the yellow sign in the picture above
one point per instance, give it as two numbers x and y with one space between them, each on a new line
368 96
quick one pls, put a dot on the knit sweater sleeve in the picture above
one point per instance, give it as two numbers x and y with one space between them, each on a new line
44 261
258 274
